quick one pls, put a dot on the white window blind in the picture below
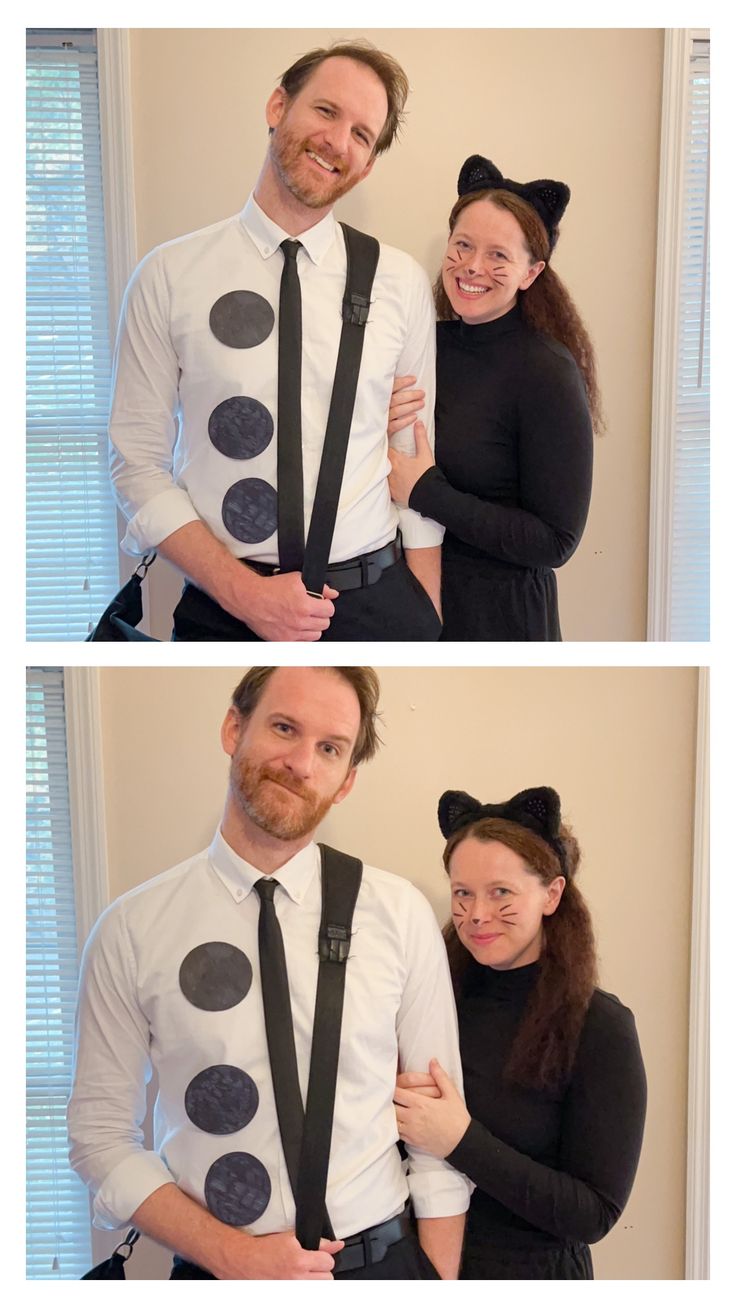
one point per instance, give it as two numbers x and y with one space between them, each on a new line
58 1225
679 550
72 562
690 587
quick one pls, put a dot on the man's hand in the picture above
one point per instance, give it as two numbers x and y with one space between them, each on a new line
426 565
171 1217
280 1258
275 608
280 607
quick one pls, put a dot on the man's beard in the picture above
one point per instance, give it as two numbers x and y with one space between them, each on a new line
272 810
286 152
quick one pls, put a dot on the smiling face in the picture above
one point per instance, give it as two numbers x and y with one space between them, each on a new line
323 140
292 758
498 906
487 263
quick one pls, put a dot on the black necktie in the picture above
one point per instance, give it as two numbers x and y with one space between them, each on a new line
280 1029
290 483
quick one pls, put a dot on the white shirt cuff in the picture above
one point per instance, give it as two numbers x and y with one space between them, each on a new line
439 1193
127 1185
157 519
419 533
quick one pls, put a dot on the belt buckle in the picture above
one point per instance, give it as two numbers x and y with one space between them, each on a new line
379 1249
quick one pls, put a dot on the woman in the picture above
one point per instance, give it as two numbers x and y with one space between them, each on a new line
554 1081
517 400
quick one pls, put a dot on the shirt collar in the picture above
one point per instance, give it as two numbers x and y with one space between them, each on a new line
267 235
239 877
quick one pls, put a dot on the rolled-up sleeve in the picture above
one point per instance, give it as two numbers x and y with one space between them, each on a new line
427 1028
111 1070
143 417
418 359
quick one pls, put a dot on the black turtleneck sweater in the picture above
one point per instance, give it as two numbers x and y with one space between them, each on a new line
512 482
553 1170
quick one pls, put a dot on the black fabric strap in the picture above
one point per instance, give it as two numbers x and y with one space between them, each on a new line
341 877
290 476
362 253
280 1029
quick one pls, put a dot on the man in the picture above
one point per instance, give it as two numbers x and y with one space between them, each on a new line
195 427
171 976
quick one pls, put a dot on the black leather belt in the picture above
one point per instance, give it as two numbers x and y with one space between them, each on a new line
353 573
371 1246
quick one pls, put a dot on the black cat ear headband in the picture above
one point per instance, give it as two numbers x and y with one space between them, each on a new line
548 199
537 809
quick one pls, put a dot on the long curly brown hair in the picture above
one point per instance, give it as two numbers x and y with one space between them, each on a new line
546 305
543 1051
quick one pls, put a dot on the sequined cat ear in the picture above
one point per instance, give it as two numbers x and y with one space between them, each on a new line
543 804
553 197
455 808
476 174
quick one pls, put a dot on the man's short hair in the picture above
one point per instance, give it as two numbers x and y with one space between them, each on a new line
364 682
390 72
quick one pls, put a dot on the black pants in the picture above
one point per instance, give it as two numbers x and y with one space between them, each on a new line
404 1261
396 607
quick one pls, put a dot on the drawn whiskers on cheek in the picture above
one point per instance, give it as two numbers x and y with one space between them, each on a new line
508 913
452 259
460 911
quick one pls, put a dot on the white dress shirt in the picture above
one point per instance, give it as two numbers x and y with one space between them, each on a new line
170 462
134 1014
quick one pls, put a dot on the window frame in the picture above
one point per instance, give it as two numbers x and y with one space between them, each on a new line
87 827
697 1194
675 92
116 131
86 796
118 184
118 199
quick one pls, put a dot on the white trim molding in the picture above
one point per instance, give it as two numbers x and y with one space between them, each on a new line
697 1223
675 83
116 140
666 318
118 183
86 795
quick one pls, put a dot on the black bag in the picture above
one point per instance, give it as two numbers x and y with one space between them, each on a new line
341 878
113 1268
121 617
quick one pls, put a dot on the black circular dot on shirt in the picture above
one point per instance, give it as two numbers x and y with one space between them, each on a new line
237 1189
241 319
240 427
221 1099
250 510
215 976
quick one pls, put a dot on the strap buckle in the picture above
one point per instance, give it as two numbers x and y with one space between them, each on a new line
334 944
144 565
131 1238
355 309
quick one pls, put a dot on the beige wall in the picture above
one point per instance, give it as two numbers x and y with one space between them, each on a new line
617 743
578 104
